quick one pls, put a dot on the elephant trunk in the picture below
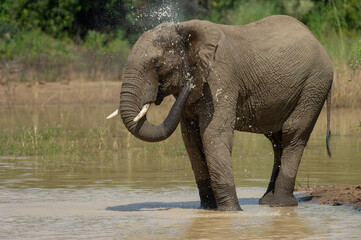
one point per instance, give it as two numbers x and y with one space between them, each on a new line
132 98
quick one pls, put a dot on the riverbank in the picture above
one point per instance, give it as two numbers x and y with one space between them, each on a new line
348 195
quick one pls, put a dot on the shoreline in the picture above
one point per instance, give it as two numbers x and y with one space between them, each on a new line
335 195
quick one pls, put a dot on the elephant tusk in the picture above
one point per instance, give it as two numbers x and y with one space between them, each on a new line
113 115
142 112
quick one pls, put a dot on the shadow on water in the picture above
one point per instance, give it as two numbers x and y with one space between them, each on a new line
162 206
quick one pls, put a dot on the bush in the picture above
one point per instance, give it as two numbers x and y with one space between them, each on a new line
52 17
105 53
106 43
29 45
42 57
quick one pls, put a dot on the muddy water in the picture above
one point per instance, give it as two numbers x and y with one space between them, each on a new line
128 189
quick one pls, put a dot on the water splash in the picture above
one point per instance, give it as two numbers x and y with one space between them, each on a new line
151 17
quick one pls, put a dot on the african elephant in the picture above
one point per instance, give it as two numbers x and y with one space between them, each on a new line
271 77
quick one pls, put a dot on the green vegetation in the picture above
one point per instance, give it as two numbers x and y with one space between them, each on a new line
73 142
49 40
51 140
355 62
62 29
335 23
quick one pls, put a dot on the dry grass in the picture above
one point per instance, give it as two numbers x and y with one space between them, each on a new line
72 92
346 90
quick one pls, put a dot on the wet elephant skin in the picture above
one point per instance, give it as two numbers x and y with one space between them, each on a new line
270 77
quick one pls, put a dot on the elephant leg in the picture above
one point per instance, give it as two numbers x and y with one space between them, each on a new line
295 134
217 142
285 182
275 139
193 144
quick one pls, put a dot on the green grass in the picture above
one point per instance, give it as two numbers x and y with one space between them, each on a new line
70 142
55 139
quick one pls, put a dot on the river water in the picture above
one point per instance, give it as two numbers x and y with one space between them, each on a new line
127 189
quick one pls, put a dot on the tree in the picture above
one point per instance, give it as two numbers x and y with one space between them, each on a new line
53 17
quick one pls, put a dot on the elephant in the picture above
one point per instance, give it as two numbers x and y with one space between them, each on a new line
269 77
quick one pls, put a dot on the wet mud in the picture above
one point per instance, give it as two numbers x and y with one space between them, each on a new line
348 195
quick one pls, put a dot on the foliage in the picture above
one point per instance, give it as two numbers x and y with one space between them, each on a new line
337 16
64 30
106 43
355 62
343 15
8 30
219 11
335 22
249 11
52 17
347 15
105 16
27 45
77 17
67 17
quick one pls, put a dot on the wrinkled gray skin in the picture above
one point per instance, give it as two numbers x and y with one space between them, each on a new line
270 77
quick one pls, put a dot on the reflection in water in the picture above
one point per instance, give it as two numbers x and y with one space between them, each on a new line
85 177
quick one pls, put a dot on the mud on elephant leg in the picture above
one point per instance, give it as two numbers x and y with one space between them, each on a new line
275 139
193 144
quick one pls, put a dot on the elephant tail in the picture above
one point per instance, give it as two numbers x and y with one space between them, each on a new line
328 134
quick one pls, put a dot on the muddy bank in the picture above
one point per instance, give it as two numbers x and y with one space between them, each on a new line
348 195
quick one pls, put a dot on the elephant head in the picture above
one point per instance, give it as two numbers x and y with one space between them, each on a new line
172 59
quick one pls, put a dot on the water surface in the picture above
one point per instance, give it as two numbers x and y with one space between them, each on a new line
113 186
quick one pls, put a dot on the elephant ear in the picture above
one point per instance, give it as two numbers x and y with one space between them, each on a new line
201 40
203 37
